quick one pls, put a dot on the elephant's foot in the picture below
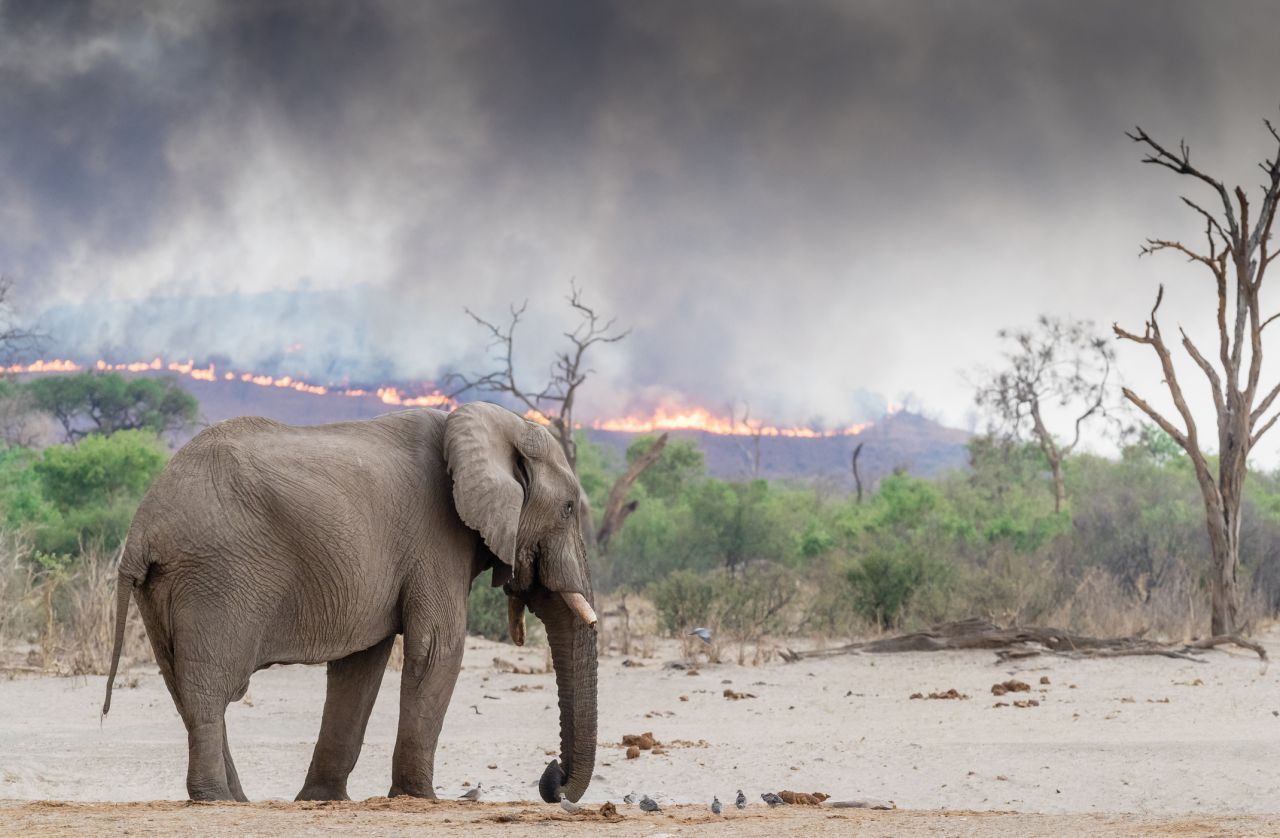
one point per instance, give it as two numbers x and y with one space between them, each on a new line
398 791
323 791
204 793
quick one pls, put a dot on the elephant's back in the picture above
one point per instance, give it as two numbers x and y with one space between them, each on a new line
295 525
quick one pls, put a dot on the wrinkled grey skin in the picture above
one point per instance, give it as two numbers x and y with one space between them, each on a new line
263 543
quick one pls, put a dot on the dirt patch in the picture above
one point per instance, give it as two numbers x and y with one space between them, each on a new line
1013 685
801 798
950 695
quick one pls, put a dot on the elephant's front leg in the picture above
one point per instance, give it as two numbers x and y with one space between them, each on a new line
352 688
431 664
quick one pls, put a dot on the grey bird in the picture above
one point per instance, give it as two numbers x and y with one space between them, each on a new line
772 799
569 806
474 794
629 799
741 802
715 805
703 634
647 804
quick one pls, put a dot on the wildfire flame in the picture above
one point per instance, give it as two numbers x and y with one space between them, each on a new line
701 419
662 419
188 369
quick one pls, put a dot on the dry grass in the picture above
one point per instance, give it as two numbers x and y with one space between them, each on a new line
1177 610
62 621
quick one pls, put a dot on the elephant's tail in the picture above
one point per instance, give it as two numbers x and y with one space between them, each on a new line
132 571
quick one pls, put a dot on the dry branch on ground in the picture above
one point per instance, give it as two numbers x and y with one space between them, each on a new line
1025 641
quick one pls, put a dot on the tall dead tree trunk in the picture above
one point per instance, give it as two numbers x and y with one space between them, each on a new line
1062 363
857 478
618 507
1237 255
752 431
1053 455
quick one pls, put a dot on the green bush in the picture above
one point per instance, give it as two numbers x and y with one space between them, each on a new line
100 469
487 610
107 403
753 603
67 497
883 584
684 599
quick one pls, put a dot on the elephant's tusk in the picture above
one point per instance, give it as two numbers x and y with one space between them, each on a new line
578 605
515 620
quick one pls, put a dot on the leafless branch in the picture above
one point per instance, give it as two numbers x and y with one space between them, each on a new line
15 340
1238 257
1061 364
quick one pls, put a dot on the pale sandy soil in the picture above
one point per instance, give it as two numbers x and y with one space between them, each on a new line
399 817
1125 746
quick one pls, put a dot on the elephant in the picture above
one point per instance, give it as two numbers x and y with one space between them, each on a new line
262 543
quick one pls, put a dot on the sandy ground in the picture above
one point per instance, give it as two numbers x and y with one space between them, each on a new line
1124 746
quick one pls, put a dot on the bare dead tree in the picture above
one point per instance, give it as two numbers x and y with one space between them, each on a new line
1059 366
1237 255
748 442
15 339
857 478
555 401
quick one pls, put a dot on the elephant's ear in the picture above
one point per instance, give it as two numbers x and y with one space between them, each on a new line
481 448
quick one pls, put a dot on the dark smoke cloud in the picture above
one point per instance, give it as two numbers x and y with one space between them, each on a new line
792 204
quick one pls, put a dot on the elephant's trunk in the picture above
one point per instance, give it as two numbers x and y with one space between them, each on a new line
573 653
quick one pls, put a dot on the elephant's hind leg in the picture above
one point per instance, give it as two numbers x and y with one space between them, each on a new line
202 698
233 778
206 763
353 684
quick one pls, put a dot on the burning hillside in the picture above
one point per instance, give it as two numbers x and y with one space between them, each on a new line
661 419
899 440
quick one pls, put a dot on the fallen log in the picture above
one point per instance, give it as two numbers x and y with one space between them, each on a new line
1024 641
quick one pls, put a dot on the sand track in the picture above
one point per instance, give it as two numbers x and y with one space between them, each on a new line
381 816
1112 747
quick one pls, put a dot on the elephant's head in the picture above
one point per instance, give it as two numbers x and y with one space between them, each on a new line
513 485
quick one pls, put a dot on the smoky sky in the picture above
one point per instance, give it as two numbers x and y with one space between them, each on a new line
791 204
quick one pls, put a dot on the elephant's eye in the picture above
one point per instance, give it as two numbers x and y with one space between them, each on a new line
568 508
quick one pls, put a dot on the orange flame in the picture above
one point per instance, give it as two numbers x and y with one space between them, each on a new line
662 419
701 419
188 369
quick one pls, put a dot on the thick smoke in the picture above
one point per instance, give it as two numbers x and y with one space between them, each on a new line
790 206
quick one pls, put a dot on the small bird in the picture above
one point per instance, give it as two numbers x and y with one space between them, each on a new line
629 799
741 802
474 794
569 806
772 799
715 805
647 804
703 634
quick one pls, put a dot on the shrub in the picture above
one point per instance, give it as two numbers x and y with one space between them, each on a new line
487 610
684 599
94 489
883 583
